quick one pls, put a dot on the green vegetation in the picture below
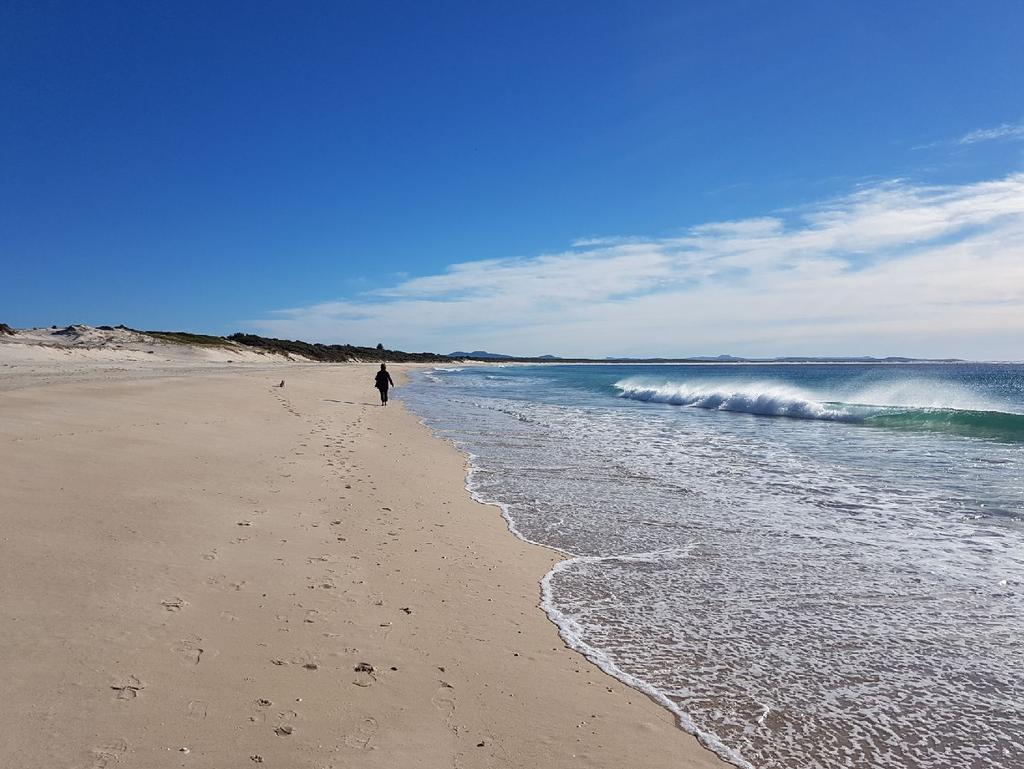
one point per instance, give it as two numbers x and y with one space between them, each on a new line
332 353
186 337
336 353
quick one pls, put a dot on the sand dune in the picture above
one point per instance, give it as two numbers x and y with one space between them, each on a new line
30 357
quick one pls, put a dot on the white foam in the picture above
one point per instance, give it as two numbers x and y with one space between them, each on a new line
572 634
768 398
773 398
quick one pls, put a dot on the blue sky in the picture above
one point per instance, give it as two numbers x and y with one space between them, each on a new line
521 177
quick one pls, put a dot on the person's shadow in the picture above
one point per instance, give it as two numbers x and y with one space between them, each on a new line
348 403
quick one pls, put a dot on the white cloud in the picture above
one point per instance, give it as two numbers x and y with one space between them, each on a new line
894 268
1004 131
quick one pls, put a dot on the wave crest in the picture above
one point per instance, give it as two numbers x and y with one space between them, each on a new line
779 400
766 400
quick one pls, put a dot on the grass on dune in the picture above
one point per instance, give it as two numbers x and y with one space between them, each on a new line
186 337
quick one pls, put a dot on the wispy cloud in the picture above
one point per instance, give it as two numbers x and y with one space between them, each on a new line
1004 131
893 268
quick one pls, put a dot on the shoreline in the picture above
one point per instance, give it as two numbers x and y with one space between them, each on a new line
206 570
567 627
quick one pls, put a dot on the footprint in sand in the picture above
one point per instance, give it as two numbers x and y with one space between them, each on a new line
129 689
197 710
444 701
365 674
362 735
284 726
108 753
189 650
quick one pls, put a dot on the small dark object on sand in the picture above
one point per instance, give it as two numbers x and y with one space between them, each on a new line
363 667
282 383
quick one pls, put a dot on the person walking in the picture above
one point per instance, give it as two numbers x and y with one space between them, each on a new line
382 382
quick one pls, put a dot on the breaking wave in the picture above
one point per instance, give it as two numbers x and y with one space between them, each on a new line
780 400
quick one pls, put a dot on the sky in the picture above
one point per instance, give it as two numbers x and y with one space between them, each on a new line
578 179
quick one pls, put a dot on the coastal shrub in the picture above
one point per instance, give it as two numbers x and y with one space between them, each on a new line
187 337
333 353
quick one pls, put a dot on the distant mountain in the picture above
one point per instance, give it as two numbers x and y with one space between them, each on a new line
480 354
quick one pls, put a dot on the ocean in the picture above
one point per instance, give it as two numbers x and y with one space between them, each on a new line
811 565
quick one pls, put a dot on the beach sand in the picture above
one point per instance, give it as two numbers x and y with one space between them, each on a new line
206 570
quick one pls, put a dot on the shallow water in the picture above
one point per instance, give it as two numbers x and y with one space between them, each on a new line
814 566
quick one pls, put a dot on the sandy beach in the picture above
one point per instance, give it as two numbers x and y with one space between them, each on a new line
207 570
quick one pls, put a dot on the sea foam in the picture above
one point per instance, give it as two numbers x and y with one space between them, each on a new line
913 405
764 398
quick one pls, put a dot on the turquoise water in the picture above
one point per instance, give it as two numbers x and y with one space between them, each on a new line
811 565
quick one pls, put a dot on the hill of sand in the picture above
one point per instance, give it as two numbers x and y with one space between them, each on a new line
79 352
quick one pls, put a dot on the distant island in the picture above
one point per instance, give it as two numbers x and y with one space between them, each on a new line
480 355
484 355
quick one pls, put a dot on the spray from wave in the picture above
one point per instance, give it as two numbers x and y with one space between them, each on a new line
955 415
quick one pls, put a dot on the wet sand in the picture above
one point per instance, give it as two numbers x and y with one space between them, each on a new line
206 570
